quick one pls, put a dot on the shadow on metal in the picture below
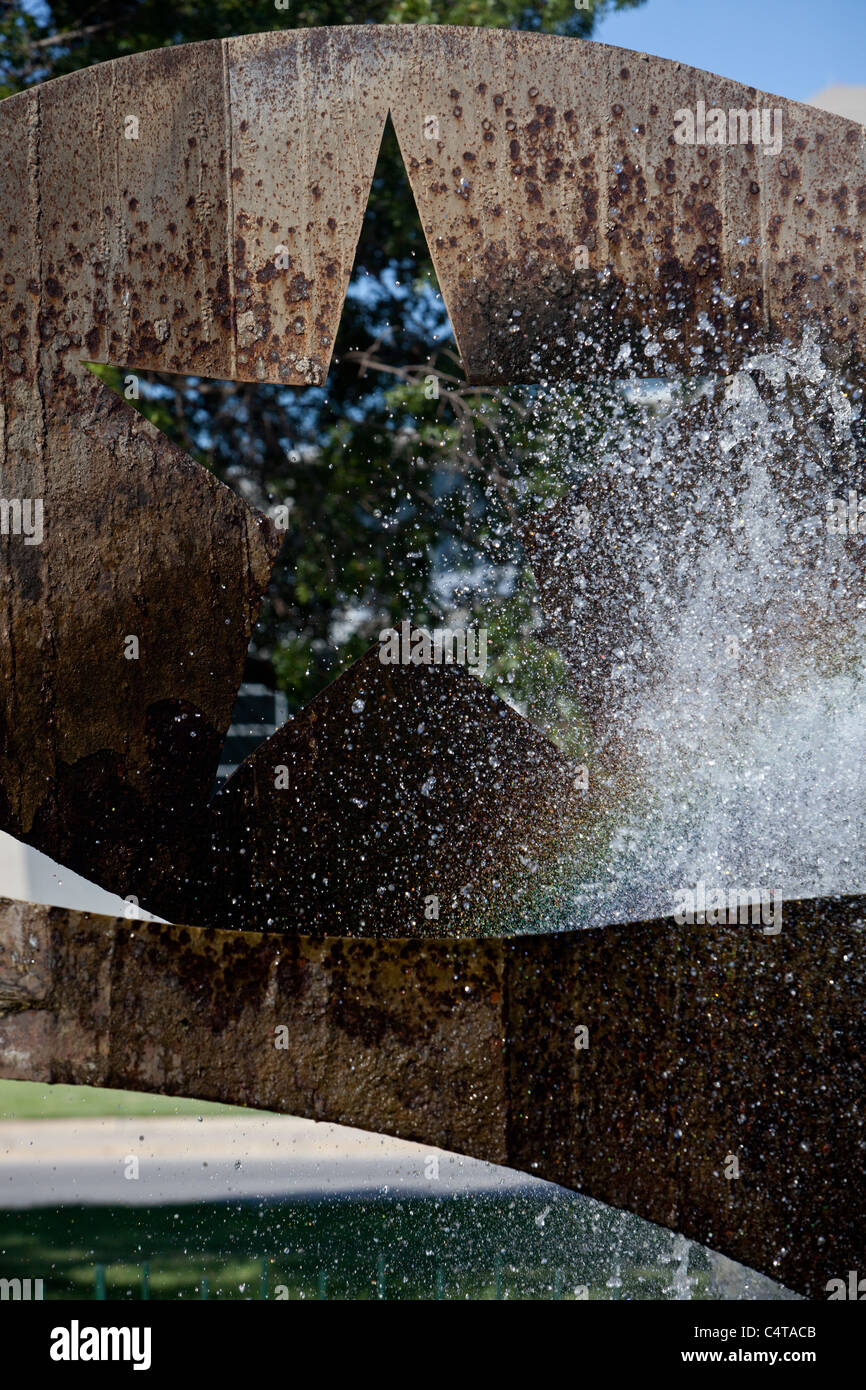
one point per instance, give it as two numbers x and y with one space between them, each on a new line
215 236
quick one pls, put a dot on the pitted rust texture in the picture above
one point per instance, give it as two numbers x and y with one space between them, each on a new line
556 153
704 1042
208 225
557 205
402 800
307 117
402 1037
104 759
161 251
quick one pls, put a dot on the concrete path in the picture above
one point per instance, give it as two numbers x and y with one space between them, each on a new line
27 875
58 1162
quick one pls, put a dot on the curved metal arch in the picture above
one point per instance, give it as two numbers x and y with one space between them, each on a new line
197 209
207 224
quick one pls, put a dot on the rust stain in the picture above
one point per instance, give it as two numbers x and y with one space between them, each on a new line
470 1045
217 238
559 220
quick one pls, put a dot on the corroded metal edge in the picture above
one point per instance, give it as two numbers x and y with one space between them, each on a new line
561 213
404 800
125 622
703 1043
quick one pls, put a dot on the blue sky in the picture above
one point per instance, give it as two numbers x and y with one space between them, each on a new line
792 48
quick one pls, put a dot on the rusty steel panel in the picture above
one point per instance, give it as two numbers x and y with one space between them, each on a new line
108 749
105 755
102 758
813 217
554 154
307 115
703 1043
400 1037
556 202
403 799
193 233
133 231
208 223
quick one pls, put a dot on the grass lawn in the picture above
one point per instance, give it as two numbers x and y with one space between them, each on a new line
525 1246
521 1246
30 1100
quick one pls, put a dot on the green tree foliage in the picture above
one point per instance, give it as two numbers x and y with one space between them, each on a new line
403 503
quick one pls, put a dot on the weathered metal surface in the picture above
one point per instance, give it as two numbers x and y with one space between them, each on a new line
209 219
207 225
556 202
103 755
704 1043
306 121
402 1037
563 218
104 759
403 800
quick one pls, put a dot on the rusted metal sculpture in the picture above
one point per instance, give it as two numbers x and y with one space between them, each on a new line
208 225
705 1044
402 801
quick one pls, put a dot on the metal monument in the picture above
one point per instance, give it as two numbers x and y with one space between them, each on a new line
196 210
